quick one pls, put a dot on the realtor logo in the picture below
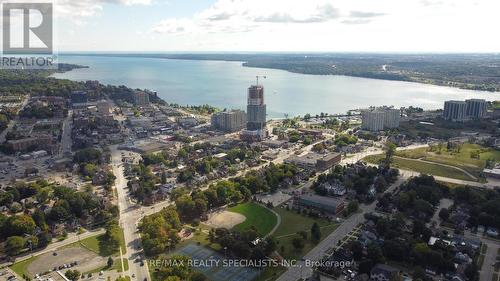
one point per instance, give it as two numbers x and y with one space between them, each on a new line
27 28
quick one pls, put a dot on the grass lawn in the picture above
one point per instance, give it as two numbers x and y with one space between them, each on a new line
21 267
421 167
259 217
99 245
291 223
200 236
460 159
118 266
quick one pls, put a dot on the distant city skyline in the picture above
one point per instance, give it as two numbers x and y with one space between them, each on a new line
277 25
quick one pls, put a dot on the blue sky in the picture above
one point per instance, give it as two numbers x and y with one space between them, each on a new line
278 25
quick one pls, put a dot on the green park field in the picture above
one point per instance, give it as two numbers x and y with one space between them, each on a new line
259 217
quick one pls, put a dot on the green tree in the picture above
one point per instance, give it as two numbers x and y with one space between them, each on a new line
14 245
315 232
352 207
72 275
444 214
390 150
298 243
110 262
163 177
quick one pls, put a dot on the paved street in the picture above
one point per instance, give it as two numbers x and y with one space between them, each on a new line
128 220
66 142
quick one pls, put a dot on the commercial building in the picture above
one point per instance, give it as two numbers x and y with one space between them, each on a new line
476 108
380 118
229 121
187 121
79 97
141 98
315 161
33 143
103 107
256 113
321 203
328 161
455 111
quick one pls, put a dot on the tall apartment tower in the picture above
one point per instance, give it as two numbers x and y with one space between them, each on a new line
380 118
476 108
455 111
256 114
256 109
373 120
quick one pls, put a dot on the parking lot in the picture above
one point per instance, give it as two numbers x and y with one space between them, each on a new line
85 261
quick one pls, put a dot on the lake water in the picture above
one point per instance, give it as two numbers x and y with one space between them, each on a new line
224 85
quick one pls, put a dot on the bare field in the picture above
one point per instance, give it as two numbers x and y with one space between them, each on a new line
225 219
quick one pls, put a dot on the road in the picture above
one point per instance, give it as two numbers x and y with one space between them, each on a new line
129 217
66 142
486 272
298 272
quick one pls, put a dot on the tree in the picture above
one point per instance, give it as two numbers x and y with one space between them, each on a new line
14 245
390 150
112 235
164 177
298 242
375 253
315 232
110 262
471 271
72 275
444 214
352 207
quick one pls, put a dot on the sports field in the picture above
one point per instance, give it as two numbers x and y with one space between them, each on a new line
259 217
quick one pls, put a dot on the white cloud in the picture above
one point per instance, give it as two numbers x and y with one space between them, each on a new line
247 15
78 9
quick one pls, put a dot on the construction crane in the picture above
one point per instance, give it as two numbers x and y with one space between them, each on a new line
259 76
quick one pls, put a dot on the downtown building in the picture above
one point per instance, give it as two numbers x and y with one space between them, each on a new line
229 121
256 114
378 119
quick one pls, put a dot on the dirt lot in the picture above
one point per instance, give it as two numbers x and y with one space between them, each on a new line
87 260
225 219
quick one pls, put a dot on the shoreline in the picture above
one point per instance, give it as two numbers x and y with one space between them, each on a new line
245 60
